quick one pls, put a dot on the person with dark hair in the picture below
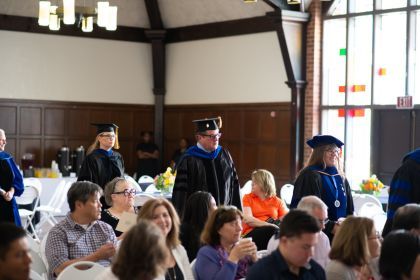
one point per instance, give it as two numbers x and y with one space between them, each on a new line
199 206
119 194
354 246
400 256
163 214
407 217
207 166
102 163
299 233
323 177
263 210
141 255
15 259
148 156
225 255
404 187
182 148
80 236
11 185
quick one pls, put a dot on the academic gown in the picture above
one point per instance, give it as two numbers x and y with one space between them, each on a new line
10 176
326 184
100 167
212 172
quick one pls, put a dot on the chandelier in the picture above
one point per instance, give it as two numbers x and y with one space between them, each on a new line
51 15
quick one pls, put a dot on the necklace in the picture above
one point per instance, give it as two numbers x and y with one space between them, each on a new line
172 276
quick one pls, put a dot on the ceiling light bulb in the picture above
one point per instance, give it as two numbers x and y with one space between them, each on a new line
87 24
102 11
112 18
69 15
54 22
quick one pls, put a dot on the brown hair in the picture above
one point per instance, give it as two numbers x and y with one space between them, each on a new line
265 180
317 158
143 253
223 215
146 212
350 244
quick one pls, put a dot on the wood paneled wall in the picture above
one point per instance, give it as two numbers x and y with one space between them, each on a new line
257 135
43 127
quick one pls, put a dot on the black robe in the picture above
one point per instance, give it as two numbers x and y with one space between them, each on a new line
100 167
309 182
217 176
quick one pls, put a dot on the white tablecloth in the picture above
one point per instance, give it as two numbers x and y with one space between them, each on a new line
49 185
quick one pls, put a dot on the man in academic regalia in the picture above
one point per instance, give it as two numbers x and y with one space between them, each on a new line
207 166
102 163
11 185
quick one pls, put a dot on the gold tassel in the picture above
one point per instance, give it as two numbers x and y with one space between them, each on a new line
220 122
117 144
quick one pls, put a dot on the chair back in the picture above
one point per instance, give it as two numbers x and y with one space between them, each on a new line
360 199
83 270
370 209
246 189
140 199
286 193
35 182
151 189
146 179
133 183
30 195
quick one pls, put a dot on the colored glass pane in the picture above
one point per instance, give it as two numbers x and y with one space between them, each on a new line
343 51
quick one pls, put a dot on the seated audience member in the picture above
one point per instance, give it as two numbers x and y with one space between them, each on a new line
354 246
163 214
317 208
407 217
142 255
262 209
224 255
15 259
119 194
80 236
400 256
299 233
197 209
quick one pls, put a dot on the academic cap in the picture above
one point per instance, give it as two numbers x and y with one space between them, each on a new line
208 124
108 127
105 127
322 140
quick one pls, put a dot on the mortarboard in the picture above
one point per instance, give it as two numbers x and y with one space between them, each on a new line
108 127
208 124
322 140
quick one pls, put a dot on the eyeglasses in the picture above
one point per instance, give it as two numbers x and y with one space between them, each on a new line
212 136
333 151
109 136
377 236
127 192
324 222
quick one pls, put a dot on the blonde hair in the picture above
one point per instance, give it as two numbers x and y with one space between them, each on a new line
265 180
95 145
146 212
317 158
350 244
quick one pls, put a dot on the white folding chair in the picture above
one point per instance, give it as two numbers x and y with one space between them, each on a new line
151 189
38 264
42 249
140 199
370 209
133 183
360 199
33 275
286 193
53 207
246 189
30 195
82 270
146 179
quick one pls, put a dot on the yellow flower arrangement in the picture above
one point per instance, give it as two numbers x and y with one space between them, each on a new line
165 181
371 185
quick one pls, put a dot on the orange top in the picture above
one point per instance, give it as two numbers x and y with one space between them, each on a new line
272 207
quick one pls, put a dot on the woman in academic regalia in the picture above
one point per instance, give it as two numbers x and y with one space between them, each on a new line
11 185
323 176
102 163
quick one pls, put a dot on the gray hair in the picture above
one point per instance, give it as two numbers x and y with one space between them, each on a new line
110 189
2 132
310 203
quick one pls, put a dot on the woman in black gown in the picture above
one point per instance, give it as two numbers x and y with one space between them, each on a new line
102 163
